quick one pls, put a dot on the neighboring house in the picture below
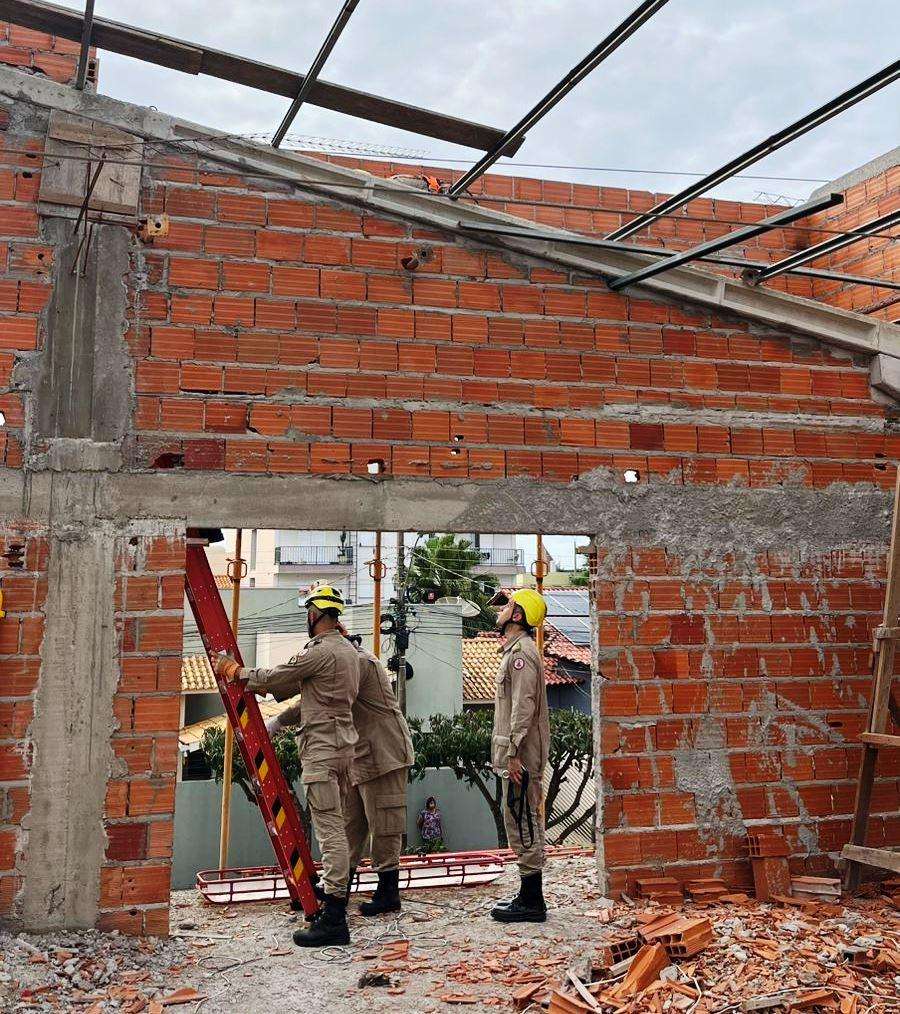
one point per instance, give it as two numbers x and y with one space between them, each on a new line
298 559
567 670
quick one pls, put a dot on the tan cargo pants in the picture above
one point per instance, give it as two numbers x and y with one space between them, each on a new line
326 784
377 808
530 854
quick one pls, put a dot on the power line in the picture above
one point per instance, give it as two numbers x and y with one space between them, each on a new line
326 145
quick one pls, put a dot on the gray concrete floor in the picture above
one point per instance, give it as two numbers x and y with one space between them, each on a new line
444 927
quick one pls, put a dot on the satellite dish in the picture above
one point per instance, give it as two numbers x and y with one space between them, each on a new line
469 609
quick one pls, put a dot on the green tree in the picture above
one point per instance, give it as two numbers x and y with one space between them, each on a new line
580 578
571 754
285 743
462 743
445 564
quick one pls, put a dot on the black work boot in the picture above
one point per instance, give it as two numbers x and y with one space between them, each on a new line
386 897
528 906
329 928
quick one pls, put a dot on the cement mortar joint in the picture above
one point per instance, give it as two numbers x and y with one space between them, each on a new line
825 323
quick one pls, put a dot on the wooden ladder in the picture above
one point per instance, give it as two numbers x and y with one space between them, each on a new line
876 735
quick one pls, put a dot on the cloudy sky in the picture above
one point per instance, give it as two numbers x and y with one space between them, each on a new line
701 82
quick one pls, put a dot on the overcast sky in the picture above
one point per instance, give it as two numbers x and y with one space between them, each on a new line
701 82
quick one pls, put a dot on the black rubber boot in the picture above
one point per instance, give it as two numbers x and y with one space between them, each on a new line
329 928
528 906
386 897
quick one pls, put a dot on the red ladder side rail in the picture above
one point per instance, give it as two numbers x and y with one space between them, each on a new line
276 802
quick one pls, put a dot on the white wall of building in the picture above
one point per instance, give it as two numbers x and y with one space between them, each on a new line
298 559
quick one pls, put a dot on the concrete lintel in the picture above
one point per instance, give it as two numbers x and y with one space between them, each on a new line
597 504
792 313
72 454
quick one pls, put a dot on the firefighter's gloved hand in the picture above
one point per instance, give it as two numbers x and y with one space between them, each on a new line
273 726
224 666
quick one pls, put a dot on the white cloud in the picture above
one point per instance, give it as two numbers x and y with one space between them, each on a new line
700 82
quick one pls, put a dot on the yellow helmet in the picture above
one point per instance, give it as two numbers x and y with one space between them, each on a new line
323 596
533 605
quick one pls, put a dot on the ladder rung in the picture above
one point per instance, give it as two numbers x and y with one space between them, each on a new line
884 859
879 739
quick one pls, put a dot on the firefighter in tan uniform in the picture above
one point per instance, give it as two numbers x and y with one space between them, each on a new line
326 674
376 803
520 747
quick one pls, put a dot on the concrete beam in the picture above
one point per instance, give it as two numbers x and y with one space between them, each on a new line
722 295
885 375
648 513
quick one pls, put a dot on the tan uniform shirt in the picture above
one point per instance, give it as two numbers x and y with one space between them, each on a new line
521 714
326 674
384 741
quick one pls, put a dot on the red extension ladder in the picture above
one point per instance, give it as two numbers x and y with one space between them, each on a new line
276 802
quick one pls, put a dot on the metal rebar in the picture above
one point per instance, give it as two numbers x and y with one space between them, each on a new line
81 73
806 123
315 69
756 275
596 56
729 239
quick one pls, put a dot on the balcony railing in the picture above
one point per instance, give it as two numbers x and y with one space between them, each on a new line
314 556
501 557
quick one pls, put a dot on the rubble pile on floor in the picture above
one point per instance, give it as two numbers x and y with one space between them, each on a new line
91 972
734 953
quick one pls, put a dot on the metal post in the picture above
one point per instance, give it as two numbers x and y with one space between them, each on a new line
401 635
315 69
236 571
578 73
86 31
377 571
756 275
738 236
539 574
797 129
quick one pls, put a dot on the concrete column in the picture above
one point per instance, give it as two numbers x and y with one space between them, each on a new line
73 715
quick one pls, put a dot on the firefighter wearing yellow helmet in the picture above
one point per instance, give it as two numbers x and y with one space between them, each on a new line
326 674
520 746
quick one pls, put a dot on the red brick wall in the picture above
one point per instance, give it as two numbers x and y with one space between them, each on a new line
875 257
38 51
21 632
270 325
140 799
735 688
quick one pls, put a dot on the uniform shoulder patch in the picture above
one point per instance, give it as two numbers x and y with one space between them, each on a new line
518 663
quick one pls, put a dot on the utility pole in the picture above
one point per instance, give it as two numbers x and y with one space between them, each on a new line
237 568
539 573
377 571
401 635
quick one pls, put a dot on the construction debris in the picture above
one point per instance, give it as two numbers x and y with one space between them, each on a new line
443 953
92 972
